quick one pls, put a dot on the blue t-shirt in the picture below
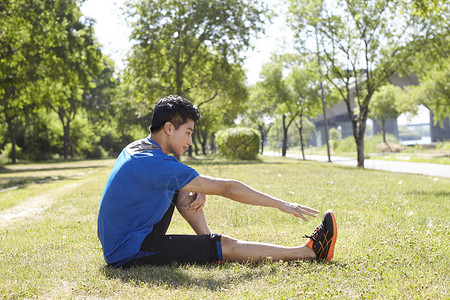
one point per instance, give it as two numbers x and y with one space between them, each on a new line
138 192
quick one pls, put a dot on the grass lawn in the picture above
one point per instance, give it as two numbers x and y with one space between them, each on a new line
393 235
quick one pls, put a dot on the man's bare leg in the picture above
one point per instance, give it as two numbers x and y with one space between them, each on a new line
195 218
242 251
236 250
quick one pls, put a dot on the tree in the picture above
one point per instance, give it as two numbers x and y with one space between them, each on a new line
303 81
48 54
22 41
180 44
260 112
384 105
71 65
275 89
220 101
310 26
434 90
363 44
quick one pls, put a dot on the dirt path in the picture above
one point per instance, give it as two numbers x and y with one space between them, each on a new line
34 205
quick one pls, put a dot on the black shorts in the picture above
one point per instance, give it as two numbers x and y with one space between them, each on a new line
161 249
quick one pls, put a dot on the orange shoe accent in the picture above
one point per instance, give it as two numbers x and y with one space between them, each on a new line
333 238
309 243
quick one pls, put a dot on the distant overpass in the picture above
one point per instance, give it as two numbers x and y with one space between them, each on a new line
337 117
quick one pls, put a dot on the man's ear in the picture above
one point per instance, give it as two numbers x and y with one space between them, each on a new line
168 128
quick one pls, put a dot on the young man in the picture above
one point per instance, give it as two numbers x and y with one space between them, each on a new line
146 184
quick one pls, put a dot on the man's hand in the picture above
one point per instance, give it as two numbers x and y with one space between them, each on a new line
198 201
298 210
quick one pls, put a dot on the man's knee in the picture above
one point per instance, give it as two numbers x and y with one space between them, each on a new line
229 245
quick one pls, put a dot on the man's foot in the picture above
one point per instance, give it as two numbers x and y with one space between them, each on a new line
324 237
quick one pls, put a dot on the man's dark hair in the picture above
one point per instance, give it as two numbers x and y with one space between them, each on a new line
174 109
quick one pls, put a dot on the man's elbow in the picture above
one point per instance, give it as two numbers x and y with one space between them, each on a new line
229 188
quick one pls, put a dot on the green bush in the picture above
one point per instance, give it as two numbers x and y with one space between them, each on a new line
443 146
346 145
238 143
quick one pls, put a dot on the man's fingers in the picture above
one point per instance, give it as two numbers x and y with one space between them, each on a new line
198 202
310 210
302 211
304 218
200 207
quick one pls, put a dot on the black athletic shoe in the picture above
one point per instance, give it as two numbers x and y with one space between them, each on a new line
324 237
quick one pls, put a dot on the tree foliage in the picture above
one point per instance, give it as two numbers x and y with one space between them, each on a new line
385 105
21 36
48 57
183 46
434 90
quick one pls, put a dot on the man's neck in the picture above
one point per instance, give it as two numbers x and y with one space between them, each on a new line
160 139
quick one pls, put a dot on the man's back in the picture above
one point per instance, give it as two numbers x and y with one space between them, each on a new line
138 192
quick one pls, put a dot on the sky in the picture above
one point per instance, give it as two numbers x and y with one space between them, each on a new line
112 32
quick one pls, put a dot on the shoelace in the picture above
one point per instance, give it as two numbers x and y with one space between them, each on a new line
314 235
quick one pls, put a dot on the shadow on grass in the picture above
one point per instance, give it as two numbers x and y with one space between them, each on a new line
12 183
7 183
210 277
9 170
177 276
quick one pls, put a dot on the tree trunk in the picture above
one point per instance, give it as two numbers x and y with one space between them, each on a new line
261 133
359 139
325 122
203 138
65 142
69 141
212 143
12 138
204 142
285 135
300 131
65 131
383 128
360 152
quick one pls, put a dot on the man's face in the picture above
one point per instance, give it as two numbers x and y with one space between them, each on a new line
181 138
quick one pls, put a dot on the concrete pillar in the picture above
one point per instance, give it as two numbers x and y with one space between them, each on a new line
441 131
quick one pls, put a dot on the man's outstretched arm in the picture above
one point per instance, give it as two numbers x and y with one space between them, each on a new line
237 191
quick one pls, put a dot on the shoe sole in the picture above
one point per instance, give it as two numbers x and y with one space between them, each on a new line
333 238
